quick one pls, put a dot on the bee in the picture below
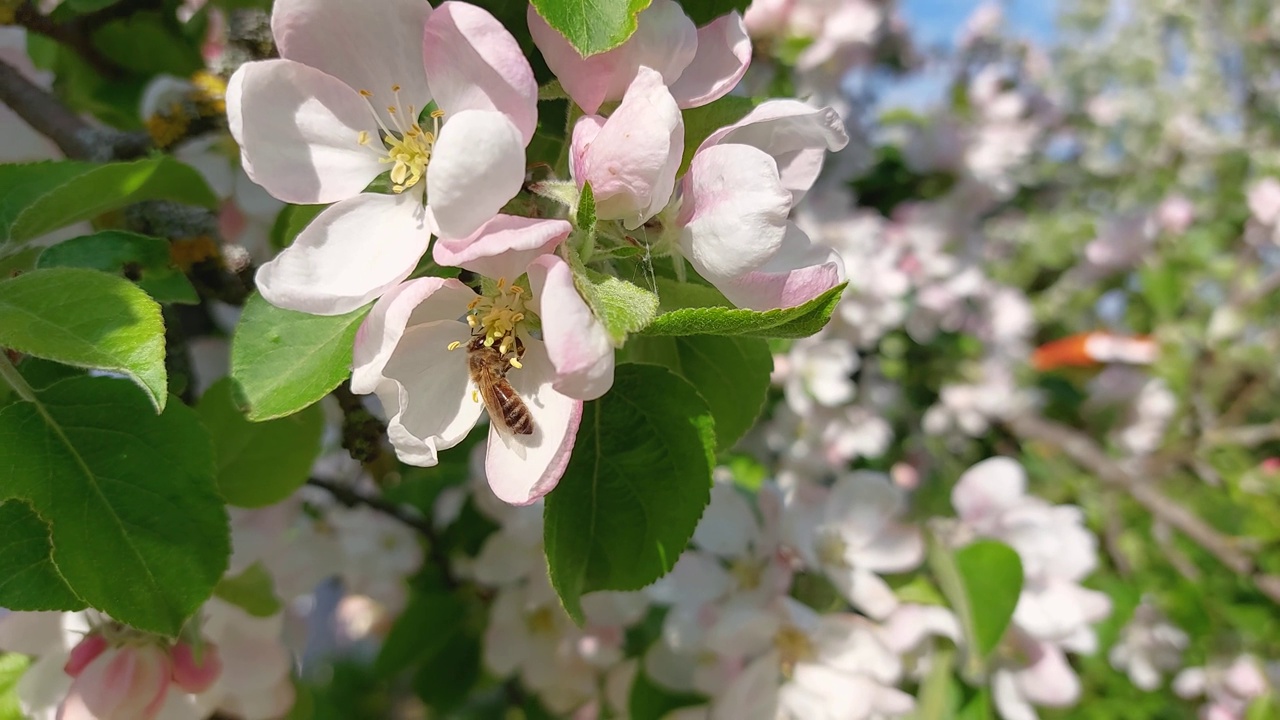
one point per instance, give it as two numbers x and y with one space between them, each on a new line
488 368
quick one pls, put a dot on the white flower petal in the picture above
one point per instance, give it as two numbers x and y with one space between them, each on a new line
724 52
368 46
301 140
477 166
350 254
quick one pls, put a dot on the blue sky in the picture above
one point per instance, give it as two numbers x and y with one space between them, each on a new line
938 22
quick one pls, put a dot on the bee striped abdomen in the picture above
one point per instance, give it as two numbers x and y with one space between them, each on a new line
515 414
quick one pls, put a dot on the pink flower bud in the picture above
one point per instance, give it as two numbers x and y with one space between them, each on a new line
84 653
126 683
192 675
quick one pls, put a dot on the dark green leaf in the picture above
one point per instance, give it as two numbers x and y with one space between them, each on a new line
650 701
797 322
137 527
28 578
702 12
292 220
445 679
700 122
37 198
88 319
592 26
634 489
731 374
286 360
141 42
421 631
259 463
145 260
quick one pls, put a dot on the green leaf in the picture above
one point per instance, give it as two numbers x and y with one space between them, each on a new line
982 581
622 307
141 42
137 527
252 591
444 679
731 374
586 211
28 578
592 26
12 667
634 489
37 198
286 360
421 631
259 463
145 260
700 122
796 322
650 701
88 319
702 12
292 220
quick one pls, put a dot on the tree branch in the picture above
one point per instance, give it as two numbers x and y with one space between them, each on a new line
45 112
1089 455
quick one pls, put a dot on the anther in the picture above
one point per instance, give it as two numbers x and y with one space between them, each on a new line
366 93
455 345
516 363
395 88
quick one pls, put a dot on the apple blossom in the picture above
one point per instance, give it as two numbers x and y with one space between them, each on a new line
850 532
1149 646
405 353
698 65
342 106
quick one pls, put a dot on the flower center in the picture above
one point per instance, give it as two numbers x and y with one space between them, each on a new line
499 318
541 622
748 572
406 146
794 646
831 549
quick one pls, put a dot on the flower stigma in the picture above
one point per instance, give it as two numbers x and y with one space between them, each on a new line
794 646
499 319
407 147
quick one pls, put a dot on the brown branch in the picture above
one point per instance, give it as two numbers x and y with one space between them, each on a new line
46 113
1090 456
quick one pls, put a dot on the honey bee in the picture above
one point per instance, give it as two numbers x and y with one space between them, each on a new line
488 368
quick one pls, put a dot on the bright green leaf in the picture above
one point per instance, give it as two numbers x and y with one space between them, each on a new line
982 581
12 667
28 578
259 463
252 591
586 211
797 322
592 26
621 306
286 360
731 374
88 319
37 198
635 486
137 527
145 260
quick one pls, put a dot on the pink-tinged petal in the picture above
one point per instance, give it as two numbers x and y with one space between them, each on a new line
631 162
192 674
1049 680
523 468
428 392
734 211
799 272
350 254
504 246
128 682
1011 704
988 489
665 40
476 167
753 694
417 302
577 344
85 652
797 136
724 52
301 139
368 46
473 63
584 131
